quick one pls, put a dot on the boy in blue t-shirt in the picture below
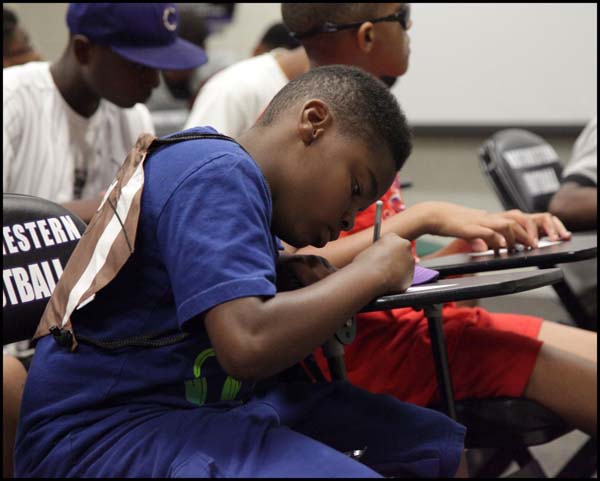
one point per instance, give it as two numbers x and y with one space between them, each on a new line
206 263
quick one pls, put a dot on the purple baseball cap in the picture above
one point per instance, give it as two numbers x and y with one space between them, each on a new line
145 33
423 275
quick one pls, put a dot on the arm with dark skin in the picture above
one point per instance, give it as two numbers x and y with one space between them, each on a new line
255 338
84 209
576 206
475 228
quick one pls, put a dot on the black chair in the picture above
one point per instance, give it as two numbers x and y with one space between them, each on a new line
39 237
524 170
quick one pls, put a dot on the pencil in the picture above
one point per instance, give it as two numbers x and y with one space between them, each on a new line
377 226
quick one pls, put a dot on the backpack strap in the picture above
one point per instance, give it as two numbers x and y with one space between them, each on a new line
105 246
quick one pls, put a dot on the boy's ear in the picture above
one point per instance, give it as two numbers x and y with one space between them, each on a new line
81 48
366 37
315 118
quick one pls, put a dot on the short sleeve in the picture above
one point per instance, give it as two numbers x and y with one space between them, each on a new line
583 166
214 236
220 107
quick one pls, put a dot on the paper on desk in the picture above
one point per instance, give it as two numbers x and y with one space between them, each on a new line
520 248
426 288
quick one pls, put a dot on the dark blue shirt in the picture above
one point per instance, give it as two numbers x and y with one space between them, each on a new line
203 238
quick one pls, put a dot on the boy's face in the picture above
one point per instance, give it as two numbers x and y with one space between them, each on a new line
391 51
117 79
338 176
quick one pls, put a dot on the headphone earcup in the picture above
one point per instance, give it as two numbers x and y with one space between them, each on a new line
231 388
195 391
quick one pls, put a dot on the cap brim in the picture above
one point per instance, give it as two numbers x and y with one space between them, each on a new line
179 55
423 275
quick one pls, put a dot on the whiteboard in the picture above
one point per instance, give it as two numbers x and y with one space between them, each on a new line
501 64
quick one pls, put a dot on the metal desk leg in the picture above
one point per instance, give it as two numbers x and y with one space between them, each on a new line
438 346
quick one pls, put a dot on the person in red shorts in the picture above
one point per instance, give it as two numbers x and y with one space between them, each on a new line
490 354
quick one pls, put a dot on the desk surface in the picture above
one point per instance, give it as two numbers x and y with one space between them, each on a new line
581 246
460 289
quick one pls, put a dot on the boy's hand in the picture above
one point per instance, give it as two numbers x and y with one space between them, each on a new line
540 224
392 256
496 230
296 271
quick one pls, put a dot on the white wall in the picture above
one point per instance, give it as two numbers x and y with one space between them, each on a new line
250 21
490 63
515 63
46 25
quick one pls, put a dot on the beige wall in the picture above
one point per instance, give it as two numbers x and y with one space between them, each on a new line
46 25
441 168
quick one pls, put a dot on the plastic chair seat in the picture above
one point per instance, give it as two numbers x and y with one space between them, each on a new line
506 421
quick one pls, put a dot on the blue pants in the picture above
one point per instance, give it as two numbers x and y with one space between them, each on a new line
292 430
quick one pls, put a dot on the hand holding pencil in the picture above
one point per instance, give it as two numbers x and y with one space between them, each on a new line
391 254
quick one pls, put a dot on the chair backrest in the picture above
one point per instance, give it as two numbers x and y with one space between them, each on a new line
38 237
522 168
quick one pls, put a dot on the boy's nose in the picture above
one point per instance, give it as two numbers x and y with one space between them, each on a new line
347 223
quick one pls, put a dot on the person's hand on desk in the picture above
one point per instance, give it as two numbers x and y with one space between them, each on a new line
536 225
496 230
540 224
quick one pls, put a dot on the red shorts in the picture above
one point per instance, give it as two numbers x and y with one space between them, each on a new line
489 354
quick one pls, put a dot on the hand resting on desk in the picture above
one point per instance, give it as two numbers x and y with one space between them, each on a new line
518 248
509 230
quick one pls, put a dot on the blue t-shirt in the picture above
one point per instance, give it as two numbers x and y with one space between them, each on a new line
203 238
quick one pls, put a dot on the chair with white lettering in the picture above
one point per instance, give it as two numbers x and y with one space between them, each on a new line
524 170
38 237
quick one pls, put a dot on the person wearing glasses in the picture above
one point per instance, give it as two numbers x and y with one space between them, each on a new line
516 355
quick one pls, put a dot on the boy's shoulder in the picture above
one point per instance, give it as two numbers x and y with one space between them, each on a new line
245 74
208 160
33 78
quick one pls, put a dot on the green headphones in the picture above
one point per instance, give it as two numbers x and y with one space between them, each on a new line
196 389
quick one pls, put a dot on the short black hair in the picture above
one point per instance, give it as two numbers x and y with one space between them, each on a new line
361 106
301 17
278 35
10 21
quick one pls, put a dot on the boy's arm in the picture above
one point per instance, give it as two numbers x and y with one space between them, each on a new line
256 338
576 206
437 218
84 209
